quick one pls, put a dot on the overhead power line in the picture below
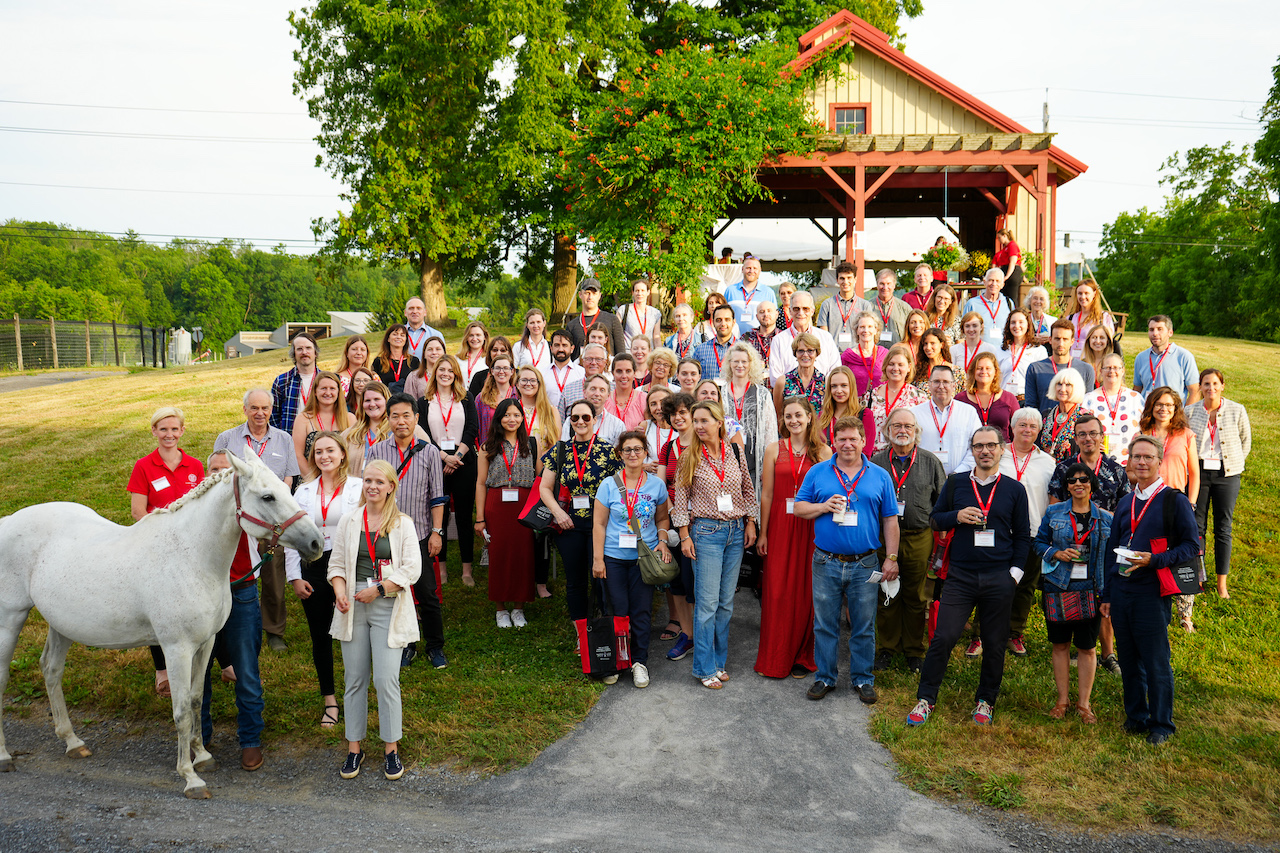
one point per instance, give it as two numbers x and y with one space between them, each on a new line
160 136
47 232
1123 94
155 109
172 192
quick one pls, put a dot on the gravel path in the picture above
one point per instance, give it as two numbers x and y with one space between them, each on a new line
36 380
674 767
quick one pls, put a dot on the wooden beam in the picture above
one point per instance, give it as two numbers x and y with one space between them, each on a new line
995 202
839 181
716 234
1017 176
832 201
877 158
825 232
859 200
884 176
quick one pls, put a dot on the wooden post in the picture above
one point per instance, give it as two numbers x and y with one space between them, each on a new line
155 361
115 340
859 213
142 346
164 348
17 338
53 336
88 350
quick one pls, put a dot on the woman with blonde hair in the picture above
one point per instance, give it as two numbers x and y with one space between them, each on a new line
373 566
715 509
865 360
1089 313
661 367
943 311
1098 344
838 400
743 378
475 342
915 324
498 386
541 420
895 392
355 354
325 410
449 416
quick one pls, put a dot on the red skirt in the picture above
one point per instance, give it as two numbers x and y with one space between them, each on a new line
510 548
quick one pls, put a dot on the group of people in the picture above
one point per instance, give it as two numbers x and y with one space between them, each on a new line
893 466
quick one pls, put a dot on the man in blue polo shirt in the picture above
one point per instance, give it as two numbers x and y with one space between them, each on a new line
745 296
1165 364
853 503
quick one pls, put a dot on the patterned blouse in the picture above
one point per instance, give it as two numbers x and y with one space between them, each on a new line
522 467
1113 482
793 387
761 343
599 462
911 396
700 500
1058 435
1119 415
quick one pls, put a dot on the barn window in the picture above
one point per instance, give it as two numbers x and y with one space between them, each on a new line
849 119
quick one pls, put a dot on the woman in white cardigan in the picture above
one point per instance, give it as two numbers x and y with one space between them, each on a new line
375 553
747 400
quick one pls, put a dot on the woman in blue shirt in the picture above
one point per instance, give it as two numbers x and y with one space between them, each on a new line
631 495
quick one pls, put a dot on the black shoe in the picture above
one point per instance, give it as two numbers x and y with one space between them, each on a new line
438 660
351 767
882 662
915 665
392 768
818 689
1135 728
409 655
798 671
867 693
1157 738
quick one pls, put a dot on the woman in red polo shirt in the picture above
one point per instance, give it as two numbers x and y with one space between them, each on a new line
159 479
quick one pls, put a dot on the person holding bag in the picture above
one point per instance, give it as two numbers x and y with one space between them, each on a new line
630 515
1072 543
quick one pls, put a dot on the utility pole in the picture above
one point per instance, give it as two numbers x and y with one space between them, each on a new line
1046 109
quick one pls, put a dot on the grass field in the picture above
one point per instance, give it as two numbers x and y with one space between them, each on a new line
506 695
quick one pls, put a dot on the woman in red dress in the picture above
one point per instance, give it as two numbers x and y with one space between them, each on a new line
786 544
508 466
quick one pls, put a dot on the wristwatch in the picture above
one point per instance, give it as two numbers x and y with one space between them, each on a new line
889 557
439 530
381 591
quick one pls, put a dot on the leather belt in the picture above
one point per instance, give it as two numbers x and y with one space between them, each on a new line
848 558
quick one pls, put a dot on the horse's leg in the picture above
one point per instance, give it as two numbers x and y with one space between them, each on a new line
53 661
201 759
11 621
182 661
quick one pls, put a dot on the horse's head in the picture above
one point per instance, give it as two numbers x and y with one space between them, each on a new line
266 510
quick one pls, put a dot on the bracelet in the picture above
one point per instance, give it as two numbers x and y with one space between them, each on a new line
479 521
686 538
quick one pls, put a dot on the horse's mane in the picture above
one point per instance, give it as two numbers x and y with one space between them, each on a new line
204 486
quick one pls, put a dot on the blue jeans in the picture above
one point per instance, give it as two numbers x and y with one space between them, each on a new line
632 597
834 580
718 545
242 639
1141 620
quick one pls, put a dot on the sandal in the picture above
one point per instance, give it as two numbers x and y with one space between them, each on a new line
1059 711
468 580
711 683
229 674
723 675
329 720
667 633
1086 714
1188 625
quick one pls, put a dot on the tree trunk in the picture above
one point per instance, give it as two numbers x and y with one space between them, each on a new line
564 273
431 278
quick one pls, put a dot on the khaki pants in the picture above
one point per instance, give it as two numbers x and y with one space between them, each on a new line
900 624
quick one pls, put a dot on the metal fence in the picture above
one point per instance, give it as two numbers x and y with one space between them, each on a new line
50 343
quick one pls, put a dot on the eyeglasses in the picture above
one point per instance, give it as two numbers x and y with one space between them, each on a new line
1089 434
579 418
1078 481
991 446
501 368
806 352
631 450
528 382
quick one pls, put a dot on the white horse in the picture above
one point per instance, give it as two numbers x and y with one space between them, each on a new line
163 581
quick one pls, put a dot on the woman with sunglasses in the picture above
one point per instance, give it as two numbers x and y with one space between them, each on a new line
1072 540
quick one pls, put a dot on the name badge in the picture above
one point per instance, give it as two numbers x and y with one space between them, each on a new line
984 539
724 503
448 446
845 338
626 540
1212 464
512 495
581 502
160 483
849 518
902 509
886 336
747 317
1079 571
328 542
380 570
791 506
942 455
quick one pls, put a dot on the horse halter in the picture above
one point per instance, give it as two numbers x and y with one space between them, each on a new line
276 529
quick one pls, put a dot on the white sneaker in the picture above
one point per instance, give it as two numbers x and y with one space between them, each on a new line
504 619
640 675
611 678
517 618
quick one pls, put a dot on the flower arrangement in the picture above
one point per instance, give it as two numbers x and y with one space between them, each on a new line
979 263
948 256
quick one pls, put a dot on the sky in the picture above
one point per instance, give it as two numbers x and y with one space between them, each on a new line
178 118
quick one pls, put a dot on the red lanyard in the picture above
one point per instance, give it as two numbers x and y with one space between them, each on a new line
1133 505
682 347
533 418
324 505
510 463
967 360
1213 435
580 467
560 383
889 407
413 345
396 367
942 430
1111 410
1075 530
582 318
446 412
471 364
723 469
303 391
369 540
624 406
898 481
642 319
404 469
1156 366
249 443
884 315
1018 360
661 443
738 402
631 497
992 312
1056 427
985 508
747 297
333 421
371 438
984 413
813 382
844 318
1020 469
715 349
796 477
867 366
849 488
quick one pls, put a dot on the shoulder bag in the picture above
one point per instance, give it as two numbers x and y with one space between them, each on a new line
652 570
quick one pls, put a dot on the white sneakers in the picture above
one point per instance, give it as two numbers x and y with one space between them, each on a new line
514 618
640 675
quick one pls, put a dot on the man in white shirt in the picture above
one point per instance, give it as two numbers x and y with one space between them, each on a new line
992 306
562 371
415 312
838 313
608 426
747 294
782 360
945 428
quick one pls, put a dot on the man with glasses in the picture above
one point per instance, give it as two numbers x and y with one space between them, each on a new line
712 353
989 515
594 361
992 307
1157 537
856 512
1165 363
838 313
944 426
782 360
608 426
1119 408
1061 335
917 479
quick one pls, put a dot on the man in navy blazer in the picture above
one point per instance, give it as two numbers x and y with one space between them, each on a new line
1061 336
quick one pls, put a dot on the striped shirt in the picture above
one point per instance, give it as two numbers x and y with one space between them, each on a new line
421 482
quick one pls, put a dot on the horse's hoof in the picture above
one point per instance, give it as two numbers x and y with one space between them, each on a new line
199 792
79 752
207 766
6 766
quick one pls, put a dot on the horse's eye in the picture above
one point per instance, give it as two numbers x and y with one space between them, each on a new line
268 497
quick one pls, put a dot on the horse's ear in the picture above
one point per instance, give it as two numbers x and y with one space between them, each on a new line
239 465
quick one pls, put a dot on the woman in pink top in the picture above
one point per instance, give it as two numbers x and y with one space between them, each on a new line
865 359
